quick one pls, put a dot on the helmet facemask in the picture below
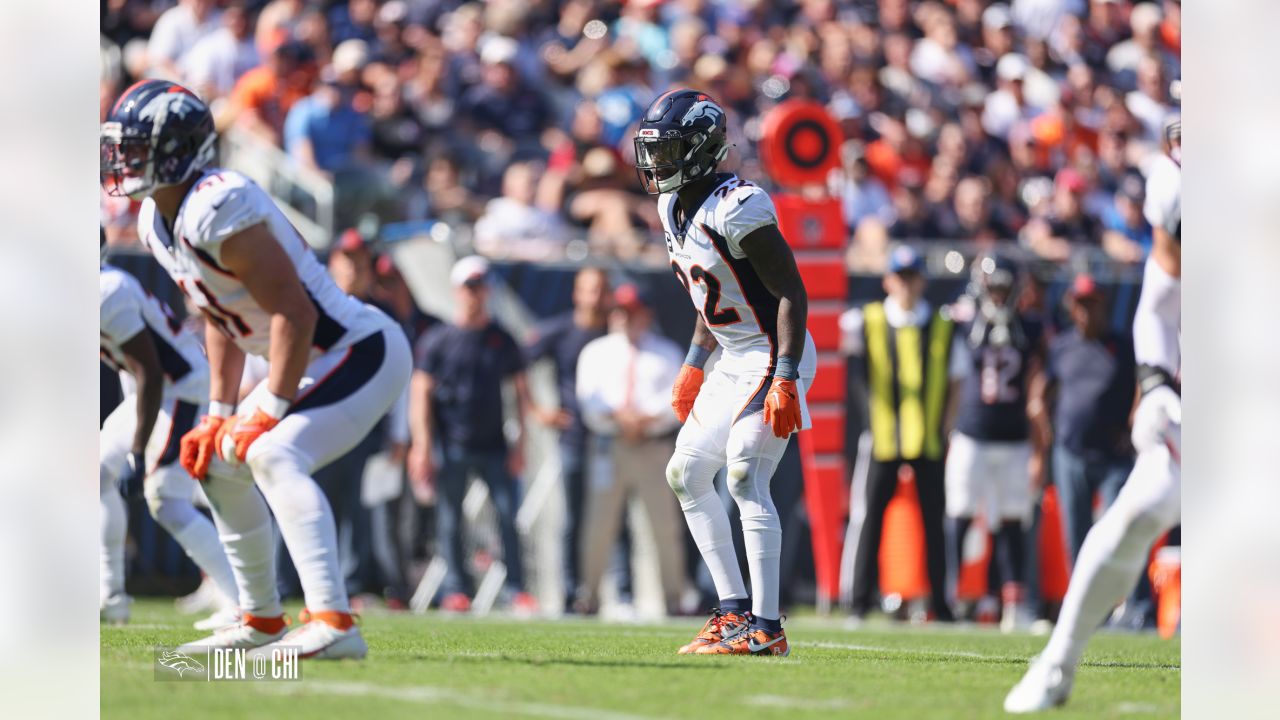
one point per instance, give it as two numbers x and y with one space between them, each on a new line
125 165
666 164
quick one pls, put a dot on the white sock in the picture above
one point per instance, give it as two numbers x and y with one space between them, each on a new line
693 479
199 538
115 524
1113 555
306 524
244 527
761 531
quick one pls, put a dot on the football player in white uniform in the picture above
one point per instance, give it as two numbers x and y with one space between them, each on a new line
138 451
726 250
336 365
1115 550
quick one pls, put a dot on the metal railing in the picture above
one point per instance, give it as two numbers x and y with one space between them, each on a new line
306 197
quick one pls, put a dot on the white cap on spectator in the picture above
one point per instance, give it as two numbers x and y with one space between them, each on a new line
350 55
1145 17
997 17
1012 66
498 49
469 270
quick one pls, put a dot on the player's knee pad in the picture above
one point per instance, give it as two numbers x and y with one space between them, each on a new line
690 475
171 514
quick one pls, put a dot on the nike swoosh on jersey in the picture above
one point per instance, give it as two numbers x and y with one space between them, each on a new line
743 199
754 646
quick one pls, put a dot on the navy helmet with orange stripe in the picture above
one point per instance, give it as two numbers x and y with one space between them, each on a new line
157 134
681 138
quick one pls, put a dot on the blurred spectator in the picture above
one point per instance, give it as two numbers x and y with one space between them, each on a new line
325 132
506 114
561 340
513 224
1066 225
862 195
457 416
1127 236
353 20
1090 384
220 58
1123 59
263 96
1150 103
623 386
276 23
445 197
177 31
971 218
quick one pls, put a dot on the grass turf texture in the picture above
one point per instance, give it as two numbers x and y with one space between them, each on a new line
436 667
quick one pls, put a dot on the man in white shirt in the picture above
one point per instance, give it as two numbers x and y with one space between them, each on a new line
217 60
178 30
624 381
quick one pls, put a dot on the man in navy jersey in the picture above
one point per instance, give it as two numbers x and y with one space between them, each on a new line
988 466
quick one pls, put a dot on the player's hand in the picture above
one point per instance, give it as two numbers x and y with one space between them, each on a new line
1158 421
557 419
237 434
782 407
197 447
685 390
135 472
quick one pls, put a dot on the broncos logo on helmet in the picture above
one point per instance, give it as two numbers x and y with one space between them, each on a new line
157 134
681 138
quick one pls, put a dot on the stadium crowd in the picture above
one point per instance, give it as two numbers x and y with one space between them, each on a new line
1027 123
966 119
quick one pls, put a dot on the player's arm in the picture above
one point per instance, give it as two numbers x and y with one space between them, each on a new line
684 391
265 270
771 257
226 367
143 362
1037 415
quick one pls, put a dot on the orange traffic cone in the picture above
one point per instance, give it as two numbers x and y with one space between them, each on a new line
972 583
1166 582
902 558
1055 562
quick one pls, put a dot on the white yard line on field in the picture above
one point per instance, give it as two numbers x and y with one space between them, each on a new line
425 694
905 651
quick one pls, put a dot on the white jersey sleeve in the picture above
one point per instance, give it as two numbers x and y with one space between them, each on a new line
120 312
219 210
1163 205
746 209
1157 322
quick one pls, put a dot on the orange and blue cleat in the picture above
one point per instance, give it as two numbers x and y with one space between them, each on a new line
750 641
721 625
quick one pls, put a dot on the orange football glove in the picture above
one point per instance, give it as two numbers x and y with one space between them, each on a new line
685 390
242 433
196 449
782 407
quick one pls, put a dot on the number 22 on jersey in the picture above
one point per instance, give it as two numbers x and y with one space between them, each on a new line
712 315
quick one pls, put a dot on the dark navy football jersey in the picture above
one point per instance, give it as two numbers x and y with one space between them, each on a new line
993 401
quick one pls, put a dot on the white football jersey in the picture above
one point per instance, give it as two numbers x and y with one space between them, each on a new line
707 257
221 204
127 309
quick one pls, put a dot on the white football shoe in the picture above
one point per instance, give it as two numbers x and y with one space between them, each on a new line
205 599
240 635
1017 617
1044 686
220 619
318 639
115 609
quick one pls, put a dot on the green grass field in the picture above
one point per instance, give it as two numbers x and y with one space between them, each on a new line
436 667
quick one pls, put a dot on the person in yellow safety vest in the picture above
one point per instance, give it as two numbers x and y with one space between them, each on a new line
911 384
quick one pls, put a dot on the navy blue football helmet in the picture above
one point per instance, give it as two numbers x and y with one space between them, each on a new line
681 138
157 134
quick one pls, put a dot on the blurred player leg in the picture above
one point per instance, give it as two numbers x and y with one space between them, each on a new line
1113 555
113 446
1011 506
168 490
